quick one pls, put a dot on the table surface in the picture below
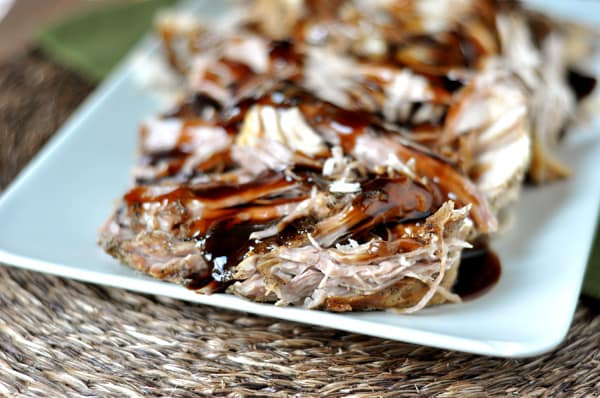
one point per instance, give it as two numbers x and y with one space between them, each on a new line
62 338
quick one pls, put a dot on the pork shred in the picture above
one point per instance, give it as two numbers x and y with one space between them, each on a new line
341 156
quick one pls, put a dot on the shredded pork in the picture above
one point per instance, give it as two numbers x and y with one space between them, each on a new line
342 155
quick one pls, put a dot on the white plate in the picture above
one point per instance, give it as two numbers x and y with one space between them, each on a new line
49 218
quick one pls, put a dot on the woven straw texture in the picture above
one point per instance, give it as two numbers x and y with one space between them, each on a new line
64 338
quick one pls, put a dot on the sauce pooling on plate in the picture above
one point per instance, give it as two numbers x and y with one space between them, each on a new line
479 271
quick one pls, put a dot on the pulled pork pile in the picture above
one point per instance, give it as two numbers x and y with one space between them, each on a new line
340 155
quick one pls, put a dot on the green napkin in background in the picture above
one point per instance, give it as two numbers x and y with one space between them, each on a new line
94 42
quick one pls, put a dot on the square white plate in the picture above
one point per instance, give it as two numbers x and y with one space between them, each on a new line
49 218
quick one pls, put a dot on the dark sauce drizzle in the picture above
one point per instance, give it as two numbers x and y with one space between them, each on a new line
193 107
479 271
581 84
283 52
225 240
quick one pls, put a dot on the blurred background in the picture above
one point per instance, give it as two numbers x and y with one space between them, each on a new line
20 20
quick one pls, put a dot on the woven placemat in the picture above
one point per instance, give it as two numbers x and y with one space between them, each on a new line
63 338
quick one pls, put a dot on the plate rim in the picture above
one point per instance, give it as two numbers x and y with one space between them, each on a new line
446 341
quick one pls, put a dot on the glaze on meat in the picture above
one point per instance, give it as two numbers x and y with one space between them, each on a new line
342 156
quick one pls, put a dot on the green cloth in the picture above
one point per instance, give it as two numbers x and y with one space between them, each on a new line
93 43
